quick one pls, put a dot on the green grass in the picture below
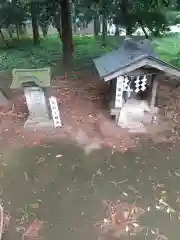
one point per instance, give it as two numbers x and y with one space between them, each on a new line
169 49
25 55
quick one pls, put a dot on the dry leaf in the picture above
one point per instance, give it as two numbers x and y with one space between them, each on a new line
127 228
106 220
135 225
162 202
125 194
35 205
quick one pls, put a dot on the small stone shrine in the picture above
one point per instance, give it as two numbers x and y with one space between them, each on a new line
133 73
35 83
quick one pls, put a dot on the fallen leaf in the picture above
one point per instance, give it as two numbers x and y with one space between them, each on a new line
35 206
148 209
125 194
135 225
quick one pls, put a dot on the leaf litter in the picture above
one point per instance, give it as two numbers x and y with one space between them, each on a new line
91 126
120 218
85 117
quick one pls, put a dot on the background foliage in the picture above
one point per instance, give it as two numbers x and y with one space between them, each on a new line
153 17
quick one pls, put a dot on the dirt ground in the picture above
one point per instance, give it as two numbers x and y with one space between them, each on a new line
51 188
85 116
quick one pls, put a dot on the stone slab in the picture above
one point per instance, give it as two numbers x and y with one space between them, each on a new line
38 124
39 113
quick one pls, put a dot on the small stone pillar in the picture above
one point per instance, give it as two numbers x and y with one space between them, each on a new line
153 91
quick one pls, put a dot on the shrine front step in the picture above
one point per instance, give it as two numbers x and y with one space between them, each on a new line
115 112
39 123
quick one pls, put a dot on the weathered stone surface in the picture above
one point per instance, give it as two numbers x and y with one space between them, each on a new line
39 115
36 102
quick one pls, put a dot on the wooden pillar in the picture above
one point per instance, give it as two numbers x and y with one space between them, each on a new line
154 86
117 116
128 94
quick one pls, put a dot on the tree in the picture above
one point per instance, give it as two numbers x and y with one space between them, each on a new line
143 13
57 13
105 11
44 20
87 11
50 13
12 16
67 39
34 18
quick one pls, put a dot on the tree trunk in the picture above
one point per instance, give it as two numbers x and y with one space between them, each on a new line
3 39
57 20
66 34
35 27
117 30
21 30
75 27
124 4
84 24
18 31
96 25
178 5
44 32
128 31
156 33
143 28
10 33
96 21
104 26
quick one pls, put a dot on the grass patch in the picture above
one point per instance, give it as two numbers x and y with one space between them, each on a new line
24 54
169 49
